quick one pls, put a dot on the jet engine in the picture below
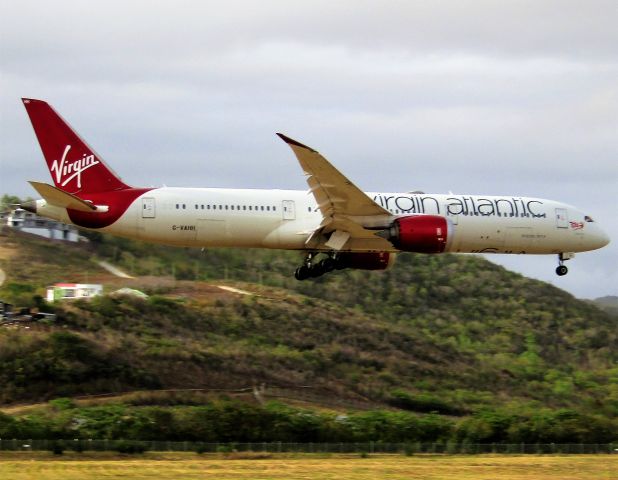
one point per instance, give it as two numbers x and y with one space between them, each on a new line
420 233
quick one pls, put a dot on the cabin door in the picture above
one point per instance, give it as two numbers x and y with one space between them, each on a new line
148 207
289 209
562 219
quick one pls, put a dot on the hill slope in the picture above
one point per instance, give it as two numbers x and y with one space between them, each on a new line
608 304
452 334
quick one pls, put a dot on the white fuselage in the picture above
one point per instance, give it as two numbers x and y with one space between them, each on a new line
284 219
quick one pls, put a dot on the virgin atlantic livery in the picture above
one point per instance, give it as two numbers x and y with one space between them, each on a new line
335 224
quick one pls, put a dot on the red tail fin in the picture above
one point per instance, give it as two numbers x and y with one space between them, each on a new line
74 166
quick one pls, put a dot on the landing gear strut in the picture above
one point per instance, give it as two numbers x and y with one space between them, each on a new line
313 269
562 270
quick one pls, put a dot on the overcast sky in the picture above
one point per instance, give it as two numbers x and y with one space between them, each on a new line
475 97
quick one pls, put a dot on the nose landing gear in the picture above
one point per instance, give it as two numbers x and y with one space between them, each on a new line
562 270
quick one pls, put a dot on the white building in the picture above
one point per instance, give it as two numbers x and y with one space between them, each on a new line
28 222
69 291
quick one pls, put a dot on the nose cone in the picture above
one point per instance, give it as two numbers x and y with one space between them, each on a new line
599 238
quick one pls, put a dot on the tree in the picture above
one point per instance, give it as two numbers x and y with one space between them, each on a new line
7 201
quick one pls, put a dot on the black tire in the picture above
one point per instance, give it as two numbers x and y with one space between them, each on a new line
561 270
316 270
302 273
327 265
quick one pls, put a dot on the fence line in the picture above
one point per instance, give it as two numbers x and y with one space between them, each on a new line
81 445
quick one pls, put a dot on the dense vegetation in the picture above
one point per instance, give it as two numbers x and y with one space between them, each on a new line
234 421
494 356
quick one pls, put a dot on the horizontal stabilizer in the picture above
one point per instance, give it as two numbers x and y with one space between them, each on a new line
59 198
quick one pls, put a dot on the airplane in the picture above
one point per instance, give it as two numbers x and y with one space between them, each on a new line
335 224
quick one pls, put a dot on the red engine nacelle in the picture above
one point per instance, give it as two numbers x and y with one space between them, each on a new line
366 260
421 233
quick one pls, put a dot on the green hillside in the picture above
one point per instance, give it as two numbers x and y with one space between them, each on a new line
608 304
454 335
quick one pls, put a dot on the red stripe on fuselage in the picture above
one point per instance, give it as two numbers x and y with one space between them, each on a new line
117 202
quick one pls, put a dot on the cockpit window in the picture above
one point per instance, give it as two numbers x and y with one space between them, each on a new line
588 219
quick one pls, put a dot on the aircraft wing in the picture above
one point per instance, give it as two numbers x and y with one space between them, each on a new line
340 201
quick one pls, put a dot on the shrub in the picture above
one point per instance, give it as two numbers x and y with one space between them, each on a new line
225 449
129 447
408 449
77 446
62 403
57 447
423 402
200 448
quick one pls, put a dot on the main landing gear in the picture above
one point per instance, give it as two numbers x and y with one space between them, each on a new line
562 270
313 269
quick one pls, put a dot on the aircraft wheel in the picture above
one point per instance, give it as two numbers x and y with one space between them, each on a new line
327 265
316 270
302 273
561 270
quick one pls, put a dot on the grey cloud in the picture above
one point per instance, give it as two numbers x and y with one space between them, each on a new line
476 97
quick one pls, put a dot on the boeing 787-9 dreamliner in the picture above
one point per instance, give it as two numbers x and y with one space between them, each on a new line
335 224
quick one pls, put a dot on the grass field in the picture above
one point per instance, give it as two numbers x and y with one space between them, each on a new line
181 466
